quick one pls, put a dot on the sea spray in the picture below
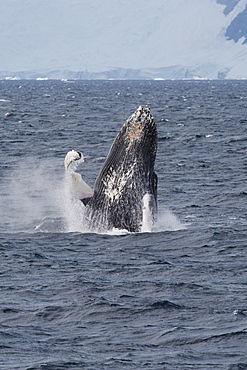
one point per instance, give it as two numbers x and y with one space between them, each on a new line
29 195
36 197
168 221
72 209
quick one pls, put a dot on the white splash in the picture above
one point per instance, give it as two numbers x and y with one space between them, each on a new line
72 209
30 196
167 221
36 197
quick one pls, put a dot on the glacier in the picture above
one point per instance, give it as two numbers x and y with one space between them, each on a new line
123 39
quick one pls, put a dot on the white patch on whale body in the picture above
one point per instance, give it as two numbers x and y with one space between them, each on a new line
147 217
116 182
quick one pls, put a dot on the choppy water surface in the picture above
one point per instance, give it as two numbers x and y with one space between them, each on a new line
171 299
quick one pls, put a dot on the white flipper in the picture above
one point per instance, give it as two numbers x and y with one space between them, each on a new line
71 157
78 188
147 216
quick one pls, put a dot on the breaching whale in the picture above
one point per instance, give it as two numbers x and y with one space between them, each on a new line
125 191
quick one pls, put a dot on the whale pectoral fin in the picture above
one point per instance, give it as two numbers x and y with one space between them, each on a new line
147 213
71 157
78 188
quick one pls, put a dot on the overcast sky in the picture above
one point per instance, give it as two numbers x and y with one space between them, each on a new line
104 34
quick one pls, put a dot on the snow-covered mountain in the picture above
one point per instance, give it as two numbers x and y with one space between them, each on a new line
123 38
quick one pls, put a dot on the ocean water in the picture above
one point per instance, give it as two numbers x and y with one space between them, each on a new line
175 298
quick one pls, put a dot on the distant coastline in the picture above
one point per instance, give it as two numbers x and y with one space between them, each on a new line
176 72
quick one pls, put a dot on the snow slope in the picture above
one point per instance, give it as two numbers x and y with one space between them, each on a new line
107 37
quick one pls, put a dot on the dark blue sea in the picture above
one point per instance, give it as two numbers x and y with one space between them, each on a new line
175 298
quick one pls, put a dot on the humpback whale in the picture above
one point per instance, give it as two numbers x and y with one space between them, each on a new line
125 191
